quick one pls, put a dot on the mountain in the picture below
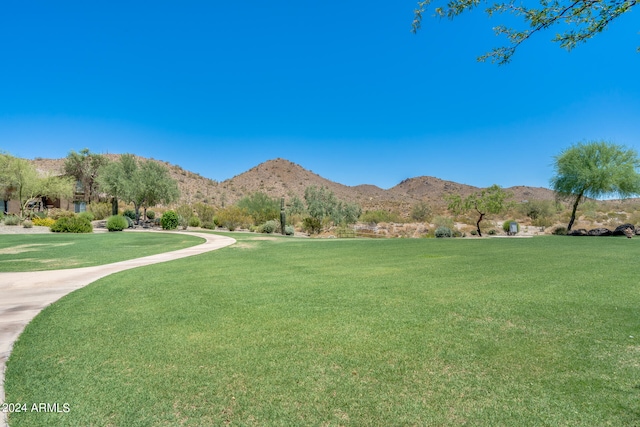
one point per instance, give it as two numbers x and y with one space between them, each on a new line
282 178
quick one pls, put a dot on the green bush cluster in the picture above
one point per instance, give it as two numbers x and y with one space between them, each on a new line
11 220
194 221
289 230
117 223
380 215
169 220
87 215
443 231
151 214
209 225
74 224
56 213
130 213
27 223
100 210
311 225
269 227
560 231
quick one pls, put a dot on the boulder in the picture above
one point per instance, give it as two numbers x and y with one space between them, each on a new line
600 232
578 232
620 230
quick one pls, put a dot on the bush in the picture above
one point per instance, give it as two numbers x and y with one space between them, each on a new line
289 230
130 222
377 216
311 225
11 220
72 225
27 224
209 225
87 215
56 213
130 213
151 214
443 232
421 212
100 210
443 221
506 226
194 221
492 232
560 231
270 227
117 223
44 222
169 220
233 217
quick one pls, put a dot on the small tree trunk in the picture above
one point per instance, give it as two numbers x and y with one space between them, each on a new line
283 217
114 206
573 212
478 224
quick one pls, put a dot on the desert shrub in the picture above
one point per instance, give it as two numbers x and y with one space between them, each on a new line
560 231
209 225
117 223
194 221
43 222
56 213
72 225
11 220
169 220
473 232
443 231
233 217
542 222
289 230
492 232
130 213
443 221
151 214
458 233
27 223
506 226
130 222
377 216
87 215
421 212
100 210
270 227
205 212
260 207
311 225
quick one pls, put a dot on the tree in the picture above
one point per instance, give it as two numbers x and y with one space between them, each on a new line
143 184
323 204
84 167
261 207
421 211
580 19
595 169
491 200
20 179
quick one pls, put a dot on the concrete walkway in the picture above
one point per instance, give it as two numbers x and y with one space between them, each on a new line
24 295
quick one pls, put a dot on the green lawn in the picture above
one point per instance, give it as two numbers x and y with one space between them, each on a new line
36 252
482 332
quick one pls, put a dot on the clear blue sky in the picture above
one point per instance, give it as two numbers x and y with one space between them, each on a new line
341 87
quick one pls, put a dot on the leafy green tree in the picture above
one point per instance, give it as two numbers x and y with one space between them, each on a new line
233 217
579 20
261 207
595 169
143 184
322 204
84 167
492 200
296 206
19 179
205 212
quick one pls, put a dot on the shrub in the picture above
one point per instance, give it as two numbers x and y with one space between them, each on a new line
130 213
270 227
117 223
56 213
473 232
289 230
506 226
87 215
377 216
443 221
560 231
233 217
100 210
44 222
311 225
169 220
194 221
130 222
27 224
151 214
209 225
72 225
11 220
443 231
492 232
421 212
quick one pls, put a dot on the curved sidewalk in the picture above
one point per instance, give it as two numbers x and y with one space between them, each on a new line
24 295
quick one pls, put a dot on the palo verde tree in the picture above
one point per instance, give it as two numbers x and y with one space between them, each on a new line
578 20
595 169
19 179
84 167
492 200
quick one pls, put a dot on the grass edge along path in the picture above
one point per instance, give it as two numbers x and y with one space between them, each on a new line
25 294
281 331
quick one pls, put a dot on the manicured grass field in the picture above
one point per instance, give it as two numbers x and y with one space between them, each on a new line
36 252
483 332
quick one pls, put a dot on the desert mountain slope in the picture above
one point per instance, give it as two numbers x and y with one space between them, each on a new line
282 178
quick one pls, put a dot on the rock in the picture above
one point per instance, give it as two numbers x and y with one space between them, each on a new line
619 231
600 232
578 232
628 232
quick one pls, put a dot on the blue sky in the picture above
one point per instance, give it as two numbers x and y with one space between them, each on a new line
340 87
